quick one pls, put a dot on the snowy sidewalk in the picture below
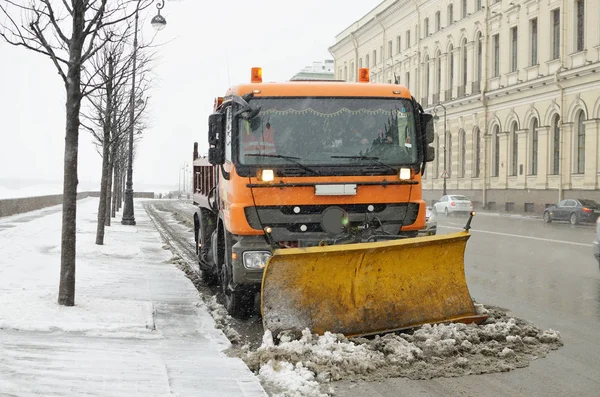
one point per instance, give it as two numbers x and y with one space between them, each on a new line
139 327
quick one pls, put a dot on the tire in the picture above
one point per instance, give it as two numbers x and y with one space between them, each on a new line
238 301
574 219
547 217
206 262
446 211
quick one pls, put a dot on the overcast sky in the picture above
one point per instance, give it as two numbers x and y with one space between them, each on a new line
208 48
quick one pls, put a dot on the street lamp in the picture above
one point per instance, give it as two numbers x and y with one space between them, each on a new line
158 22
436 118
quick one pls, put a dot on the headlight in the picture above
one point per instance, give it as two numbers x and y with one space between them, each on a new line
256 259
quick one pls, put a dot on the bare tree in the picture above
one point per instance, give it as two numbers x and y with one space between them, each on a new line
69 33
107 115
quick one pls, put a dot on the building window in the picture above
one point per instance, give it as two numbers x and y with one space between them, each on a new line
515 149
580 144
427 78
514 49
438 21
407 39
464 65
374 57
450 14
496 150
449 165
340 75
390 47
463 153
367 60
359 63
398 48
477 152
464 8
345 73
556 33
438 74
479 56
534 147
381 54
437 157
407 78
533 41
496 65
450 69
351 71
580 15
426 26
555 145
477 5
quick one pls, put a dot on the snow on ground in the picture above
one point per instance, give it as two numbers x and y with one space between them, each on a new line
138 326
304 366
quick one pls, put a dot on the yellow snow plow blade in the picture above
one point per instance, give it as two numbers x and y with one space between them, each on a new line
368 288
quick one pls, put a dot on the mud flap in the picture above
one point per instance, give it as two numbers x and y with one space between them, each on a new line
368 288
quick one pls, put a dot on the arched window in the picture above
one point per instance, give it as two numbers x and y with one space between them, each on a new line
436 169
515 149
345 73
427 79
438 73
556 144
463 152
479 60
450 14
437 21
534 146
449 161
496 150
464 67
450 73
580 143
367 60
477 153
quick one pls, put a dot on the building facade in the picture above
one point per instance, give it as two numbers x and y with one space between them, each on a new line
517 84
317 71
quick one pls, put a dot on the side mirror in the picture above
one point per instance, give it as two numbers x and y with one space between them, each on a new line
427 130
216 138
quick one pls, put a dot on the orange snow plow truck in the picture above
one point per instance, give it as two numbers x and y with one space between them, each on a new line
311 196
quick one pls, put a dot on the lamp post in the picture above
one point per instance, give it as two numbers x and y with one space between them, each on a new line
158 22
436 118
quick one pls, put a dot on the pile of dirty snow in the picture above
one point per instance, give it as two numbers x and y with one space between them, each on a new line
305 365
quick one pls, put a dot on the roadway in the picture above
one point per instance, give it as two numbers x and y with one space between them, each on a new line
544 273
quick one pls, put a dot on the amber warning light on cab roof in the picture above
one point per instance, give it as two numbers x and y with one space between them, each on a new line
256 75
363 75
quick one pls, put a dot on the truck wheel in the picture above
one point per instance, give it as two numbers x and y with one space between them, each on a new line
238 302
206 260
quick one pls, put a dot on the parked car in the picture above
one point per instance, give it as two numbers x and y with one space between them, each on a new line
430 223
597 242
452 204
574 211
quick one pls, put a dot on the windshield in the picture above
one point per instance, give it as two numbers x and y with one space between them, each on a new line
589 203
328 131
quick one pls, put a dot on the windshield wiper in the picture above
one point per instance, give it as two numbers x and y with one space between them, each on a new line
371 158
288 158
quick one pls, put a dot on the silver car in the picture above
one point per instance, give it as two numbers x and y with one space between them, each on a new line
430 223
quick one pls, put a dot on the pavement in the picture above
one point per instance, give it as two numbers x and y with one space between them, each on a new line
139 327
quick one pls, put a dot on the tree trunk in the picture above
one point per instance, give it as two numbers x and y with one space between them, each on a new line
102 208
66 290
115 201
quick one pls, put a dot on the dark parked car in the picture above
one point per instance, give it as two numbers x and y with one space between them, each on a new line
574 211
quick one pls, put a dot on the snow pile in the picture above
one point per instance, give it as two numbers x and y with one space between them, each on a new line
501 343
